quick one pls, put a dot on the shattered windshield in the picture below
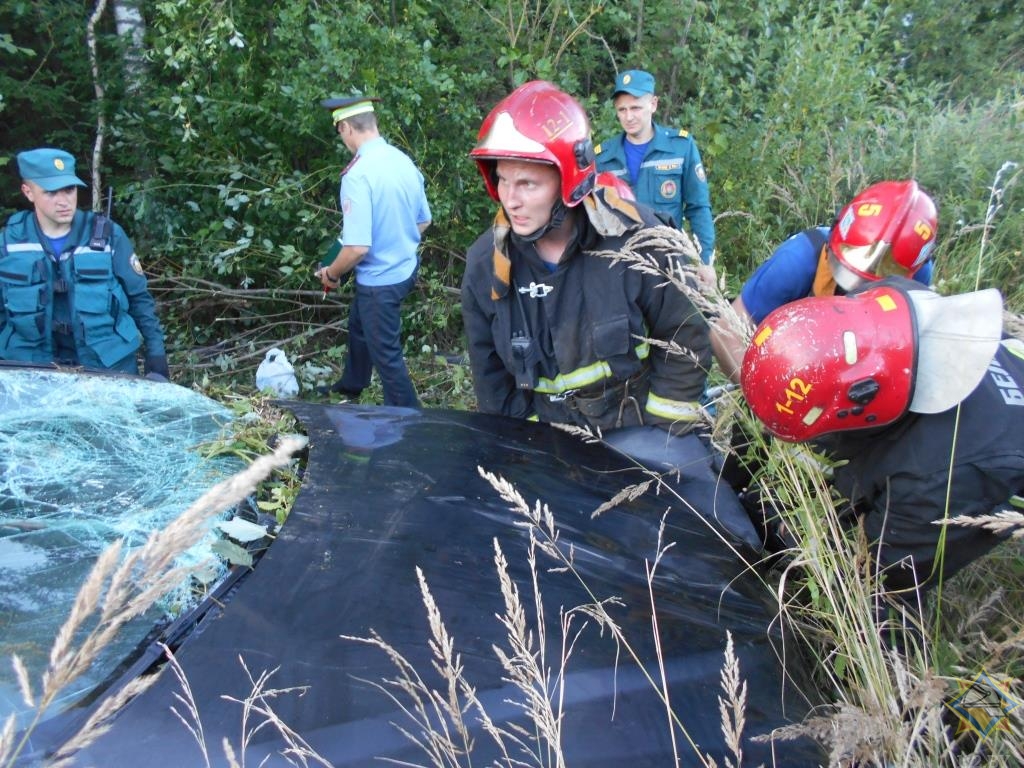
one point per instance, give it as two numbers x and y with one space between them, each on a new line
86 460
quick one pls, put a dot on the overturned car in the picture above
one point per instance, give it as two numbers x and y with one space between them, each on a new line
443 593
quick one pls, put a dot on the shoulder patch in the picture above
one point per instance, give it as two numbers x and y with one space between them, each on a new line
136 264
684 133
597 150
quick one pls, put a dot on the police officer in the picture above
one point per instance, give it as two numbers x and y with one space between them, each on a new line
662 165
385 212
73 290
918 399
887 229
561 334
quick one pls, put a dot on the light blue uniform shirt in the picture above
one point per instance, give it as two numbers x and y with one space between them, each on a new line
382 201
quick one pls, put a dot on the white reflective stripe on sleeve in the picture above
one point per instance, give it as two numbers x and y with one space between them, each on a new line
674 410
582 377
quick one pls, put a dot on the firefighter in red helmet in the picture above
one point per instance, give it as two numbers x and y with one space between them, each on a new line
558 332
887 229
918 398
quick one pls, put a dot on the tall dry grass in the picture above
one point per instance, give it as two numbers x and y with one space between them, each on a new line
437 714
890 702
256 714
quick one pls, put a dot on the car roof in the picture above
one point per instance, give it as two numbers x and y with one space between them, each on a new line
388 492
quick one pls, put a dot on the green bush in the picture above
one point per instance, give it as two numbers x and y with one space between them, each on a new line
226 169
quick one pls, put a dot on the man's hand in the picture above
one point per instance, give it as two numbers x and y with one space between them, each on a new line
327 280
157 366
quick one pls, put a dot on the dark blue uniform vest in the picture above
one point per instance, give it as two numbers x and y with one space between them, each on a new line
72 310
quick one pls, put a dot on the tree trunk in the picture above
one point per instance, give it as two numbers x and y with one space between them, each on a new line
131 28
101 121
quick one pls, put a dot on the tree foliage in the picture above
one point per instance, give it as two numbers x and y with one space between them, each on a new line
226 169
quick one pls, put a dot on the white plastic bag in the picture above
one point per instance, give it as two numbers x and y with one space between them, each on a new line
276 374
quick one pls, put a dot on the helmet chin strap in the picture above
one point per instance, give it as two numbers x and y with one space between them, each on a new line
558 214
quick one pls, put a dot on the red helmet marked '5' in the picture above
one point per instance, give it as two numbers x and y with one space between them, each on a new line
888 229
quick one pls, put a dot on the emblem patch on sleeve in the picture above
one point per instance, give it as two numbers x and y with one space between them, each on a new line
699 170
136 264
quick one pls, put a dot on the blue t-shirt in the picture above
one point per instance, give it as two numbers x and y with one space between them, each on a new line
634 158
57 243
382 202
788 275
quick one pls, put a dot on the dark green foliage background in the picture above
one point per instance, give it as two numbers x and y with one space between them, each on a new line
225 167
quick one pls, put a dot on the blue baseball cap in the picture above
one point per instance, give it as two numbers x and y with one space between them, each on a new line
635 82
51 169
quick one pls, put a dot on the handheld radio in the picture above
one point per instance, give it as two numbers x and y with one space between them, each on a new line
101 226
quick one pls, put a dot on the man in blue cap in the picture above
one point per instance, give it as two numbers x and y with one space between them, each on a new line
385 212
73 290
662 165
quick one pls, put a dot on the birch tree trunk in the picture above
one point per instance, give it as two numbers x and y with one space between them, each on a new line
131 27
101 119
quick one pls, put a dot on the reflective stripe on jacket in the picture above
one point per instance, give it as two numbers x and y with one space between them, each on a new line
562 345
74 308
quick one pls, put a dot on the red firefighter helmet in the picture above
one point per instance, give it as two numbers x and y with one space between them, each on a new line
828 364
540 123
888 229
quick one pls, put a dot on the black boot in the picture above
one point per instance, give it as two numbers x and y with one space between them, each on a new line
337 389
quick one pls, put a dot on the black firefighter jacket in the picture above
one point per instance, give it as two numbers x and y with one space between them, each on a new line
899 476
596 343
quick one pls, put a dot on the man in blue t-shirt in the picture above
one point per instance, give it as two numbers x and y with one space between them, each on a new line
662 165
385 212
888 229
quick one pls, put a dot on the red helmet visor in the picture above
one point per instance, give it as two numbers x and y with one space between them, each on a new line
872 262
